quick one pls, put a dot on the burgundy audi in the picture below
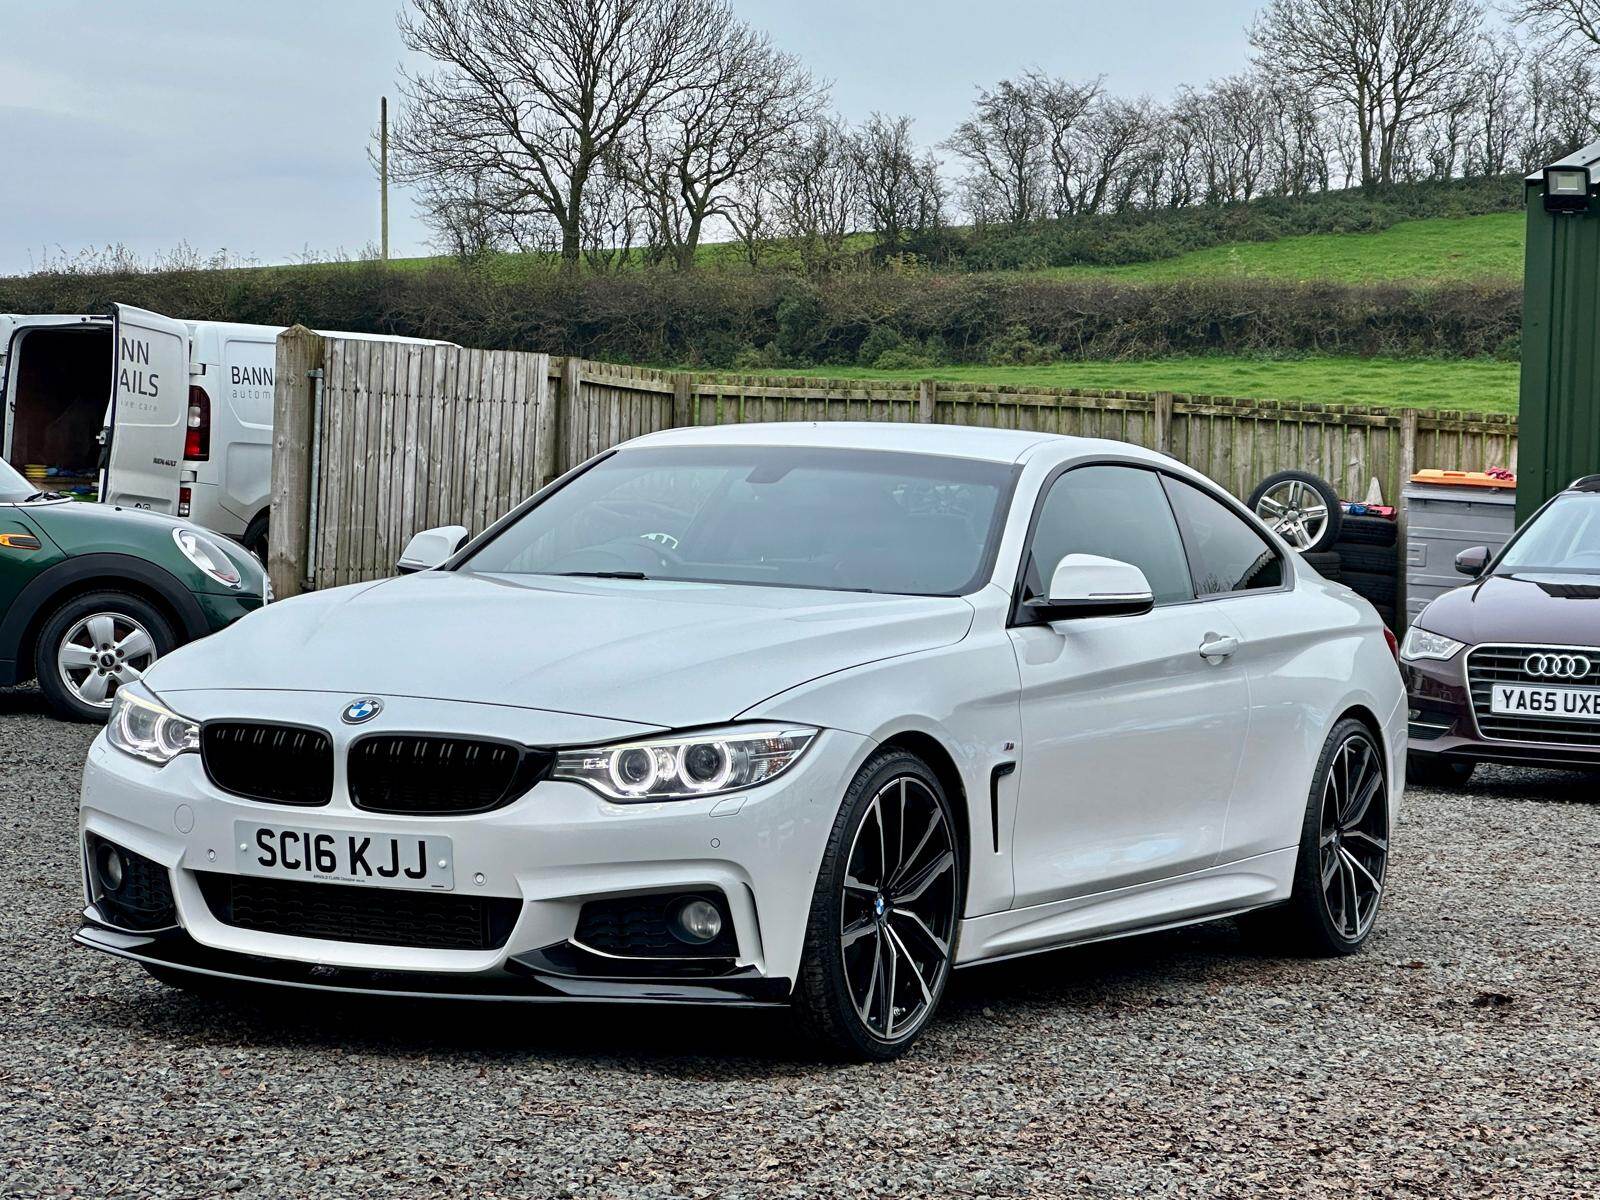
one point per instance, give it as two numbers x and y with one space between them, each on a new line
1507 668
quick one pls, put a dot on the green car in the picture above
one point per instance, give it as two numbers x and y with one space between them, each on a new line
91 595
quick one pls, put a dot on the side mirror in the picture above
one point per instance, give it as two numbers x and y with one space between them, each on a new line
1086 585
426 550
1472 562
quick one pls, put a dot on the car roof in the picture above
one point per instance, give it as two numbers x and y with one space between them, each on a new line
958 441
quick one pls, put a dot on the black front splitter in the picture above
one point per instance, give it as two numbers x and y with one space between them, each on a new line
175 950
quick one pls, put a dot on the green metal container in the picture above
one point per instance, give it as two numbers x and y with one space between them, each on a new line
1559 422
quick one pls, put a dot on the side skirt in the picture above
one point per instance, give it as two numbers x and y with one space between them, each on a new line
1208 895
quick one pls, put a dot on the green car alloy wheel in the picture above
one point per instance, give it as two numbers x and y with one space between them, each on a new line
91 595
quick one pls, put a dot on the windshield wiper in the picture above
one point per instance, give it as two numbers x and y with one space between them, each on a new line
603 574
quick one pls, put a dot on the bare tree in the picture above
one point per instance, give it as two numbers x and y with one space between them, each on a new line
1063 108
743 100
1004 146
1390 64
902 195
815 192
1499 105
1565 20
1116 135
529 95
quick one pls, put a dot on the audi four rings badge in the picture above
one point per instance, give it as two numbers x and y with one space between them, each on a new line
1558 666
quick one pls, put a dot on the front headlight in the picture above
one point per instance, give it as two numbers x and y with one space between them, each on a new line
208 556
1420 643
678 768
142 726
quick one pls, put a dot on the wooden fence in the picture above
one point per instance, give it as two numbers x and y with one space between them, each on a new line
375 440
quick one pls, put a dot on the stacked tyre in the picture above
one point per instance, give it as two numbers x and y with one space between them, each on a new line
1361 552
1369 562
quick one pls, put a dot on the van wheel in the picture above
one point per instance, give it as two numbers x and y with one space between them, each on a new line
255 538
880 941
94 644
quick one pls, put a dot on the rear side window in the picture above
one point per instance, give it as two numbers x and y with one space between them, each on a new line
1115 512
1225 553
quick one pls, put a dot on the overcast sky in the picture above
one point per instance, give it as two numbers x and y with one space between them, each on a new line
243 126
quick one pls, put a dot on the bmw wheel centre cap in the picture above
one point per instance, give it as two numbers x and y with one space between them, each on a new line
360 711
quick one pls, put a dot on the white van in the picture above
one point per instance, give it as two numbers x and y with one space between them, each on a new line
139 409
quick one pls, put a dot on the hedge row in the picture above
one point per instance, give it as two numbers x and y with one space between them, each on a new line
717 320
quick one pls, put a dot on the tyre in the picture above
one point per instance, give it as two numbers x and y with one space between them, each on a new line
1369 531
1382 590
1326 563
255 538
1429 770
92 645
1344 851
1301 507
1374 560
880 937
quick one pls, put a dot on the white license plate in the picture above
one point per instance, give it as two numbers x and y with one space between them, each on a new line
1573 704
342 856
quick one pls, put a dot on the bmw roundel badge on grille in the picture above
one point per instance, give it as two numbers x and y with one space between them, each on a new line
358 712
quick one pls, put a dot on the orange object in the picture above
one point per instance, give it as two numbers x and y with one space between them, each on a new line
1478 479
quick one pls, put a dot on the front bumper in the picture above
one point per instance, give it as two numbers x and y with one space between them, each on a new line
551 851
1444 727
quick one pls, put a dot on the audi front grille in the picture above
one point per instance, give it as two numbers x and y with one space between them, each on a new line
1532 666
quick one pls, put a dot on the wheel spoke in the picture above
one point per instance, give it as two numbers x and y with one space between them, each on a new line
888 961
1353 909
136 645
94 688
1357 865
1330 864
1271 505
899 948
855 885
1372 839
923 879
102 630
853 933
127 673
934 822
938 943
865 1007
75 656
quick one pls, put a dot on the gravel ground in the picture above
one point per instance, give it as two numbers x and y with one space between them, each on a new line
1456 1057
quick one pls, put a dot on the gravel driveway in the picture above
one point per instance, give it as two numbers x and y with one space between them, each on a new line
1456 1057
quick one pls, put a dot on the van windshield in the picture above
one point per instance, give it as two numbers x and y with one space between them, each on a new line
775 516
13 487
1566 537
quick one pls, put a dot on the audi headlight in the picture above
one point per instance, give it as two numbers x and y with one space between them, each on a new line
208 556
142 726
678 768
1420 643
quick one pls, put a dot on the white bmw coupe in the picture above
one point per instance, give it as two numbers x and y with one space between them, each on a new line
803 715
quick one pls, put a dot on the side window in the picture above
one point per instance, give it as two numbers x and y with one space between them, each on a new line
1225 554
1116 512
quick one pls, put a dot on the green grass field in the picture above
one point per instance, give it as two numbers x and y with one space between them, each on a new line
1461 248
1472 385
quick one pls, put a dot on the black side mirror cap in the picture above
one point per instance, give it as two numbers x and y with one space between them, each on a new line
1045 611
1473 561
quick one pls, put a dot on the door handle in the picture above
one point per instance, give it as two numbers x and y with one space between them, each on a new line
1217 647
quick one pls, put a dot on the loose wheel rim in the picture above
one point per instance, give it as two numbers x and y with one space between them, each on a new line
1353 837
1296 512
897 913
101 653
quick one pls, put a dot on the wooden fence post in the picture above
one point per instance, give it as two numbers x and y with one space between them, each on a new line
547 428
1163 422
927 398
568 414
682 399
297 372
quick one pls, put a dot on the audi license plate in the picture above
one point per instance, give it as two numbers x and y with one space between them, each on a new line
1573 704
339 856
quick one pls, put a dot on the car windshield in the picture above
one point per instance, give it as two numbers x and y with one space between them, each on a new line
1565 537
13 487
854 520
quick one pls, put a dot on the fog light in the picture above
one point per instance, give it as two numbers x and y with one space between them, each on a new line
697 922
108 866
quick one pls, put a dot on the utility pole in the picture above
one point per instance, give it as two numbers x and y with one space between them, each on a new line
383 168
